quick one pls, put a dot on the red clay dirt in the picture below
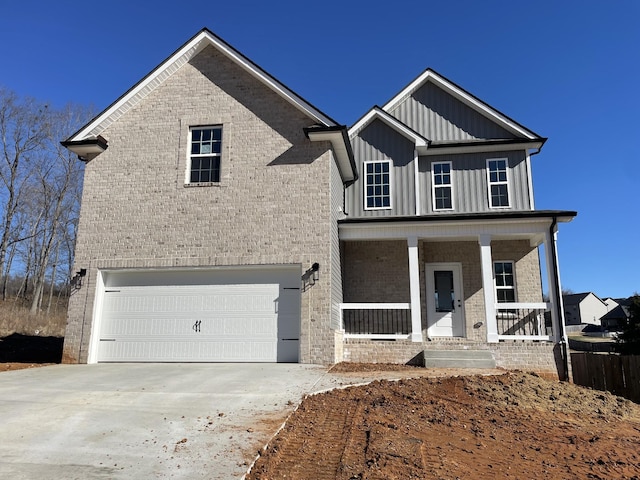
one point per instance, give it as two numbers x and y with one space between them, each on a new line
513 425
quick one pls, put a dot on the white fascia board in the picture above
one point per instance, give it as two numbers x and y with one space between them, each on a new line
392 122
449 230
172 64
470 100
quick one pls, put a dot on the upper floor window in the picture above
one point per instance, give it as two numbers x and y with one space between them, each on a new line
442 186
377 185
498 182
205 147
505 282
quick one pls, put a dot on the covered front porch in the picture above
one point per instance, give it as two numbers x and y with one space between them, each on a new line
460 279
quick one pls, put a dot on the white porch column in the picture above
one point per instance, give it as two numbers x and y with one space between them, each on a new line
414 287
555 289
486 265
416 181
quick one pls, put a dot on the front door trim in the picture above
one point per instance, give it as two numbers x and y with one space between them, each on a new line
452 324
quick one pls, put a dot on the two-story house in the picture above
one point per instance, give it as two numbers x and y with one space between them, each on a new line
584 308
225 218
441 227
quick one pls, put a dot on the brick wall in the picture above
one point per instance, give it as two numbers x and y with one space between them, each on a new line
272 205
527 267
540 357
376 272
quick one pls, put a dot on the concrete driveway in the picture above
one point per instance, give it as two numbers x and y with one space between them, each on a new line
116 421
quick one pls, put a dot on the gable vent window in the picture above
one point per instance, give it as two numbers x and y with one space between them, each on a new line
204 155
442 186
498 183
377 185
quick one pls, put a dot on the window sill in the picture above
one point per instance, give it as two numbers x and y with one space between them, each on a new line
203 184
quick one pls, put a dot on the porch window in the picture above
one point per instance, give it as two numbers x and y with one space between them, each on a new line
505 282
498 182
442 186
377 185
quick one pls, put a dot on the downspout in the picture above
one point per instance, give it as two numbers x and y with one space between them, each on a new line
344 199
530 176
557 293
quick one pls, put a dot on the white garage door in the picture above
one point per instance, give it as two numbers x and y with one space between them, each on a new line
222 315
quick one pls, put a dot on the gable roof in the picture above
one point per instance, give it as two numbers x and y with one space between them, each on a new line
86 141
177 59
619 312
376 113
430 75
576 298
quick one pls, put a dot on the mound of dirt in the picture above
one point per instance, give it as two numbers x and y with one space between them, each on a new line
352 367
514 425
31 349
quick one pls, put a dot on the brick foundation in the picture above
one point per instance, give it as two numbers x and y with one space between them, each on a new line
543 358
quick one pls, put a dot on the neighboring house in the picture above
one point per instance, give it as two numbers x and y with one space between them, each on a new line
583 308
618 313
224 218
610 302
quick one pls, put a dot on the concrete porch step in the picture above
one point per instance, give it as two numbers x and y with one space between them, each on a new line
459 359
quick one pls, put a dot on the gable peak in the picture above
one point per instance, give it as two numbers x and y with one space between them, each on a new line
431 76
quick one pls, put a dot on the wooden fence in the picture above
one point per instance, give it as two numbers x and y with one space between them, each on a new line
618 374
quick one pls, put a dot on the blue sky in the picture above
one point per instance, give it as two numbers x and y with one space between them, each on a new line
568 70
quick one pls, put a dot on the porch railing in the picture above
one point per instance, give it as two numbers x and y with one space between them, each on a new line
522 321
376 320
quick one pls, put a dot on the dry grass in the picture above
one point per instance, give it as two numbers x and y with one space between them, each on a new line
15 318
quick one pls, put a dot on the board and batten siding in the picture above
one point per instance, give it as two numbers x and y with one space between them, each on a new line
337 200
379 142
439 116
470 188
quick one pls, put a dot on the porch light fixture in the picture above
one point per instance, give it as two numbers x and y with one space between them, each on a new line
76 281
311 276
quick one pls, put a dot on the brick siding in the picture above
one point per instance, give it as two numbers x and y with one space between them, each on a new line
540 357
377 271
272 205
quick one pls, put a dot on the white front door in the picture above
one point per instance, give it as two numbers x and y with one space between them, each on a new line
445 300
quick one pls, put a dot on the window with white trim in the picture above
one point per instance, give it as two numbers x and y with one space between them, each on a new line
377 187
442 186
504 276
498 182
205 148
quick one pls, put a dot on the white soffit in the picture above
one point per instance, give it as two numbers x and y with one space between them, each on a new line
463 96
342 154
183 55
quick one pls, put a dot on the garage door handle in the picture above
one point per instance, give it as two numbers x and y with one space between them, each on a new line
196 326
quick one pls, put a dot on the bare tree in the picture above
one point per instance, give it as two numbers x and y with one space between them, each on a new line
58 180
24 129
40 190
